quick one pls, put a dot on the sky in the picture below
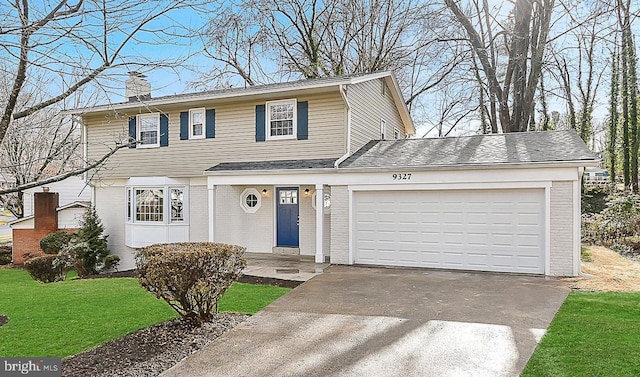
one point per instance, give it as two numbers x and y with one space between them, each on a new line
167 81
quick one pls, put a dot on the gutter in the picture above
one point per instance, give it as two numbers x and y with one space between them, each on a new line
343 93
350 170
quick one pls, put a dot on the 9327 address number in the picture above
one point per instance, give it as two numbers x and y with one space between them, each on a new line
401 176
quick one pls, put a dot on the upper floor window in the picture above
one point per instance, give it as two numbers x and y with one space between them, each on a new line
196 123
148 130
396 134
383 130
281 119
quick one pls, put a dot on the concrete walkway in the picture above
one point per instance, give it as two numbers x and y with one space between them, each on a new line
357 321
287 267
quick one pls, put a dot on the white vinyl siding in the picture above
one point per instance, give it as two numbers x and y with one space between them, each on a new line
234 141
486 230
368 108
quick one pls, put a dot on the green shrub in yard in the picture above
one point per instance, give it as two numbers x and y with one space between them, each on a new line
5 255
620 219
594 198
54 242
90 246
45 270
192 276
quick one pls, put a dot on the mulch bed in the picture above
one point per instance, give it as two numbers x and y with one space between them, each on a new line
243 279
151 351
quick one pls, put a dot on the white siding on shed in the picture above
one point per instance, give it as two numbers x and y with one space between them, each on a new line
72 189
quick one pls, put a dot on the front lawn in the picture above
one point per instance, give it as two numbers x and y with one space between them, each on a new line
593 334
65 318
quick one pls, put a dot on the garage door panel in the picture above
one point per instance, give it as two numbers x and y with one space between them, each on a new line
494 230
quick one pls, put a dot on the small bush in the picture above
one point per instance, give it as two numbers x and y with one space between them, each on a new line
5 255
585 255
190 277
44 270
620 219
54 242
594 198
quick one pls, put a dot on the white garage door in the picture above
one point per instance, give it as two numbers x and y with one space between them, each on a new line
487 230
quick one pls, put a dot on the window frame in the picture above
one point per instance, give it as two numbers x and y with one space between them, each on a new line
139 131
383 130
131 210
204 123
267 123
243 200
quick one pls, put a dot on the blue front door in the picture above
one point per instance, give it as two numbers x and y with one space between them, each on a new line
287 216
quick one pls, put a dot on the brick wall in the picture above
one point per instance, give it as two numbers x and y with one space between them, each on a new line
561 257
198 214
251 230
26 243
339 225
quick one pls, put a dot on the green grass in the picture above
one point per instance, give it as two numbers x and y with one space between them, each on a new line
65 318
249 298
593 334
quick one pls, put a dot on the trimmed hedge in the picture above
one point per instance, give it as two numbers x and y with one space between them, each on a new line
191 276
54 242
45 270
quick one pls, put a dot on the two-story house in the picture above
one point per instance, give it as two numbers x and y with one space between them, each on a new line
324 167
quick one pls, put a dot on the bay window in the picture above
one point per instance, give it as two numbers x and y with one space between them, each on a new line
159 205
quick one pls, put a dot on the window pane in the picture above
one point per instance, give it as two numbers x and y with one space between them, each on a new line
129 207
197 117
289 197
197 130
197 122
251 200
149 204
281 119
149 130
177 207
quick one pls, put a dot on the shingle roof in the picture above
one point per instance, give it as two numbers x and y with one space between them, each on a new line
274 165
232 92
511 148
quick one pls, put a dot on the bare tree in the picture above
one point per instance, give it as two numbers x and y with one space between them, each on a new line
76 44
262 41
525 39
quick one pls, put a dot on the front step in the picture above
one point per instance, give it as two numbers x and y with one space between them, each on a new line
282 250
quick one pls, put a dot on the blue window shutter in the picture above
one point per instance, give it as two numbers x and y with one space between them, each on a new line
184 125
164 130
260 122
303 120
210 120
132 132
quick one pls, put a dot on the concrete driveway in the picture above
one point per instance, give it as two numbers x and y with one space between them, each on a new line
357 321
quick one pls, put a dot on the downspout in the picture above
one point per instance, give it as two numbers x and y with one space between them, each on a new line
343 93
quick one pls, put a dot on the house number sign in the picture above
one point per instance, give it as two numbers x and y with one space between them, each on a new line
401 176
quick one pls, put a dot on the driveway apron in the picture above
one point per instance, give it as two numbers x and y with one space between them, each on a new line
360 321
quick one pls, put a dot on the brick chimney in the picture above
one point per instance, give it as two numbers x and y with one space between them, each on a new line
44 211
137 88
